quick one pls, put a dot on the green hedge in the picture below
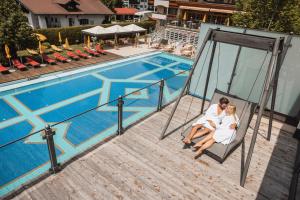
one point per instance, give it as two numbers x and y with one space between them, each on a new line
74 33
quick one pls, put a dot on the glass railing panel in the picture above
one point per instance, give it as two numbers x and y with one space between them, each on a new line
140 103
173 85
23 160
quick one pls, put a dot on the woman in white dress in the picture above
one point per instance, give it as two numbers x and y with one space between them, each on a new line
207 123
225 133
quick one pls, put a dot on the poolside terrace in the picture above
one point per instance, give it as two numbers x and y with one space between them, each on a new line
137 165
34 72
112 54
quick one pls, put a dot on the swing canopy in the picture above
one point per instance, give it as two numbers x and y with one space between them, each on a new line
245 111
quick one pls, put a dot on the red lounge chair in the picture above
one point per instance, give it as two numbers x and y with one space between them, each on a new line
72 55
100 50
3 69
32 63
80 54
48 60
59 57
18 64
91 52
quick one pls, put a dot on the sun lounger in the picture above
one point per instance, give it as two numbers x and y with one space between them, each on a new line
168 48
48 60
55 48
32 52
155 45
100 50
187 47
3 69
18 64
80 54
59 57
73 55
187 53
67 48
91 52
32 63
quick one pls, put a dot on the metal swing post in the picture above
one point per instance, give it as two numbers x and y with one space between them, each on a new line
262 106
208 74
235 66
207 37
280 60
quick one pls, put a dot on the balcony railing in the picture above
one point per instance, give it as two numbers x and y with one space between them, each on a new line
164 3
53 157
159 16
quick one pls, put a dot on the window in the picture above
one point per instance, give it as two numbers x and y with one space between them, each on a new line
83 21
172 11
52 22
71 22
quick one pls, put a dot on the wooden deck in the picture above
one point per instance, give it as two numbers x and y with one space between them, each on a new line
32 72
138 166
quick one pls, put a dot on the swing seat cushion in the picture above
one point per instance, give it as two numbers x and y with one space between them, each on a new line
245 111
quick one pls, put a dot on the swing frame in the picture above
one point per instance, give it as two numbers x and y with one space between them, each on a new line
274 45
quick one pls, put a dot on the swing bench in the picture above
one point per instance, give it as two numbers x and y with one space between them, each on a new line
244 111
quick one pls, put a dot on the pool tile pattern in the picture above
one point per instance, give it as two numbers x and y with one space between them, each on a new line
29 109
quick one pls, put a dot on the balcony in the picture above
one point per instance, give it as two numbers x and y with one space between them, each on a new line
164 3
159 16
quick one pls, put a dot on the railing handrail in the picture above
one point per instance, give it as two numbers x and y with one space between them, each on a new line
91 109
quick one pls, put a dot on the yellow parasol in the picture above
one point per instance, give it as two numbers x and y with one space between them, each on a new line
41 49
228 22
7 51
67 45
40 37
88 42
184 16
59 38
204 18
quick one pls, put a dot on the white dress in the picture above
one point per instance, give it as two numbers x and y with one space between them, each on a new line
211 114
224 134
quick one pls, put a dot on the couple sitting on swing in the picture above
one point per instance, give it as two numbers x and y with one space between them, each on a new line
218 124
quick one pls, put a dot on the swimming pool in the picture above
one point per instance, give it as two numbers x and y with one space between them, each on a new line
28 106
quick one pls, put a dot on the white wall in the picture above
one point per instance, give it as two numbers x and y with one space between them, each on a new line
38 21
42 22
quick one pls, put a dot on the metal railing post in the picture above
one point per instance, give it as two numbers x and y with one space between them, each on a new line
48 136
161 95
120 115
187 92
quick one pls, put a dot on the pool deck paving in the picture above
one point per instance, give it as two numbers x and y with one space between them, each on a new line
35 72
131 51
137 165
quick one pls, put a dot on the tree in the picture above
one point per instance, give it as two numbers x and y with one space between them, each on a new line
273 15
111 4
14 28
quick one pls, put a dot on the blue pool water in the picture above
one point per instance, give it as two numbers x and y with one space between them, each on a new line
26 109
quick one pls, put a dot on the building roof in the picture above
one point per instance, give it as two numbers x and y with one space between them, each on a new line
125 11
94 7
